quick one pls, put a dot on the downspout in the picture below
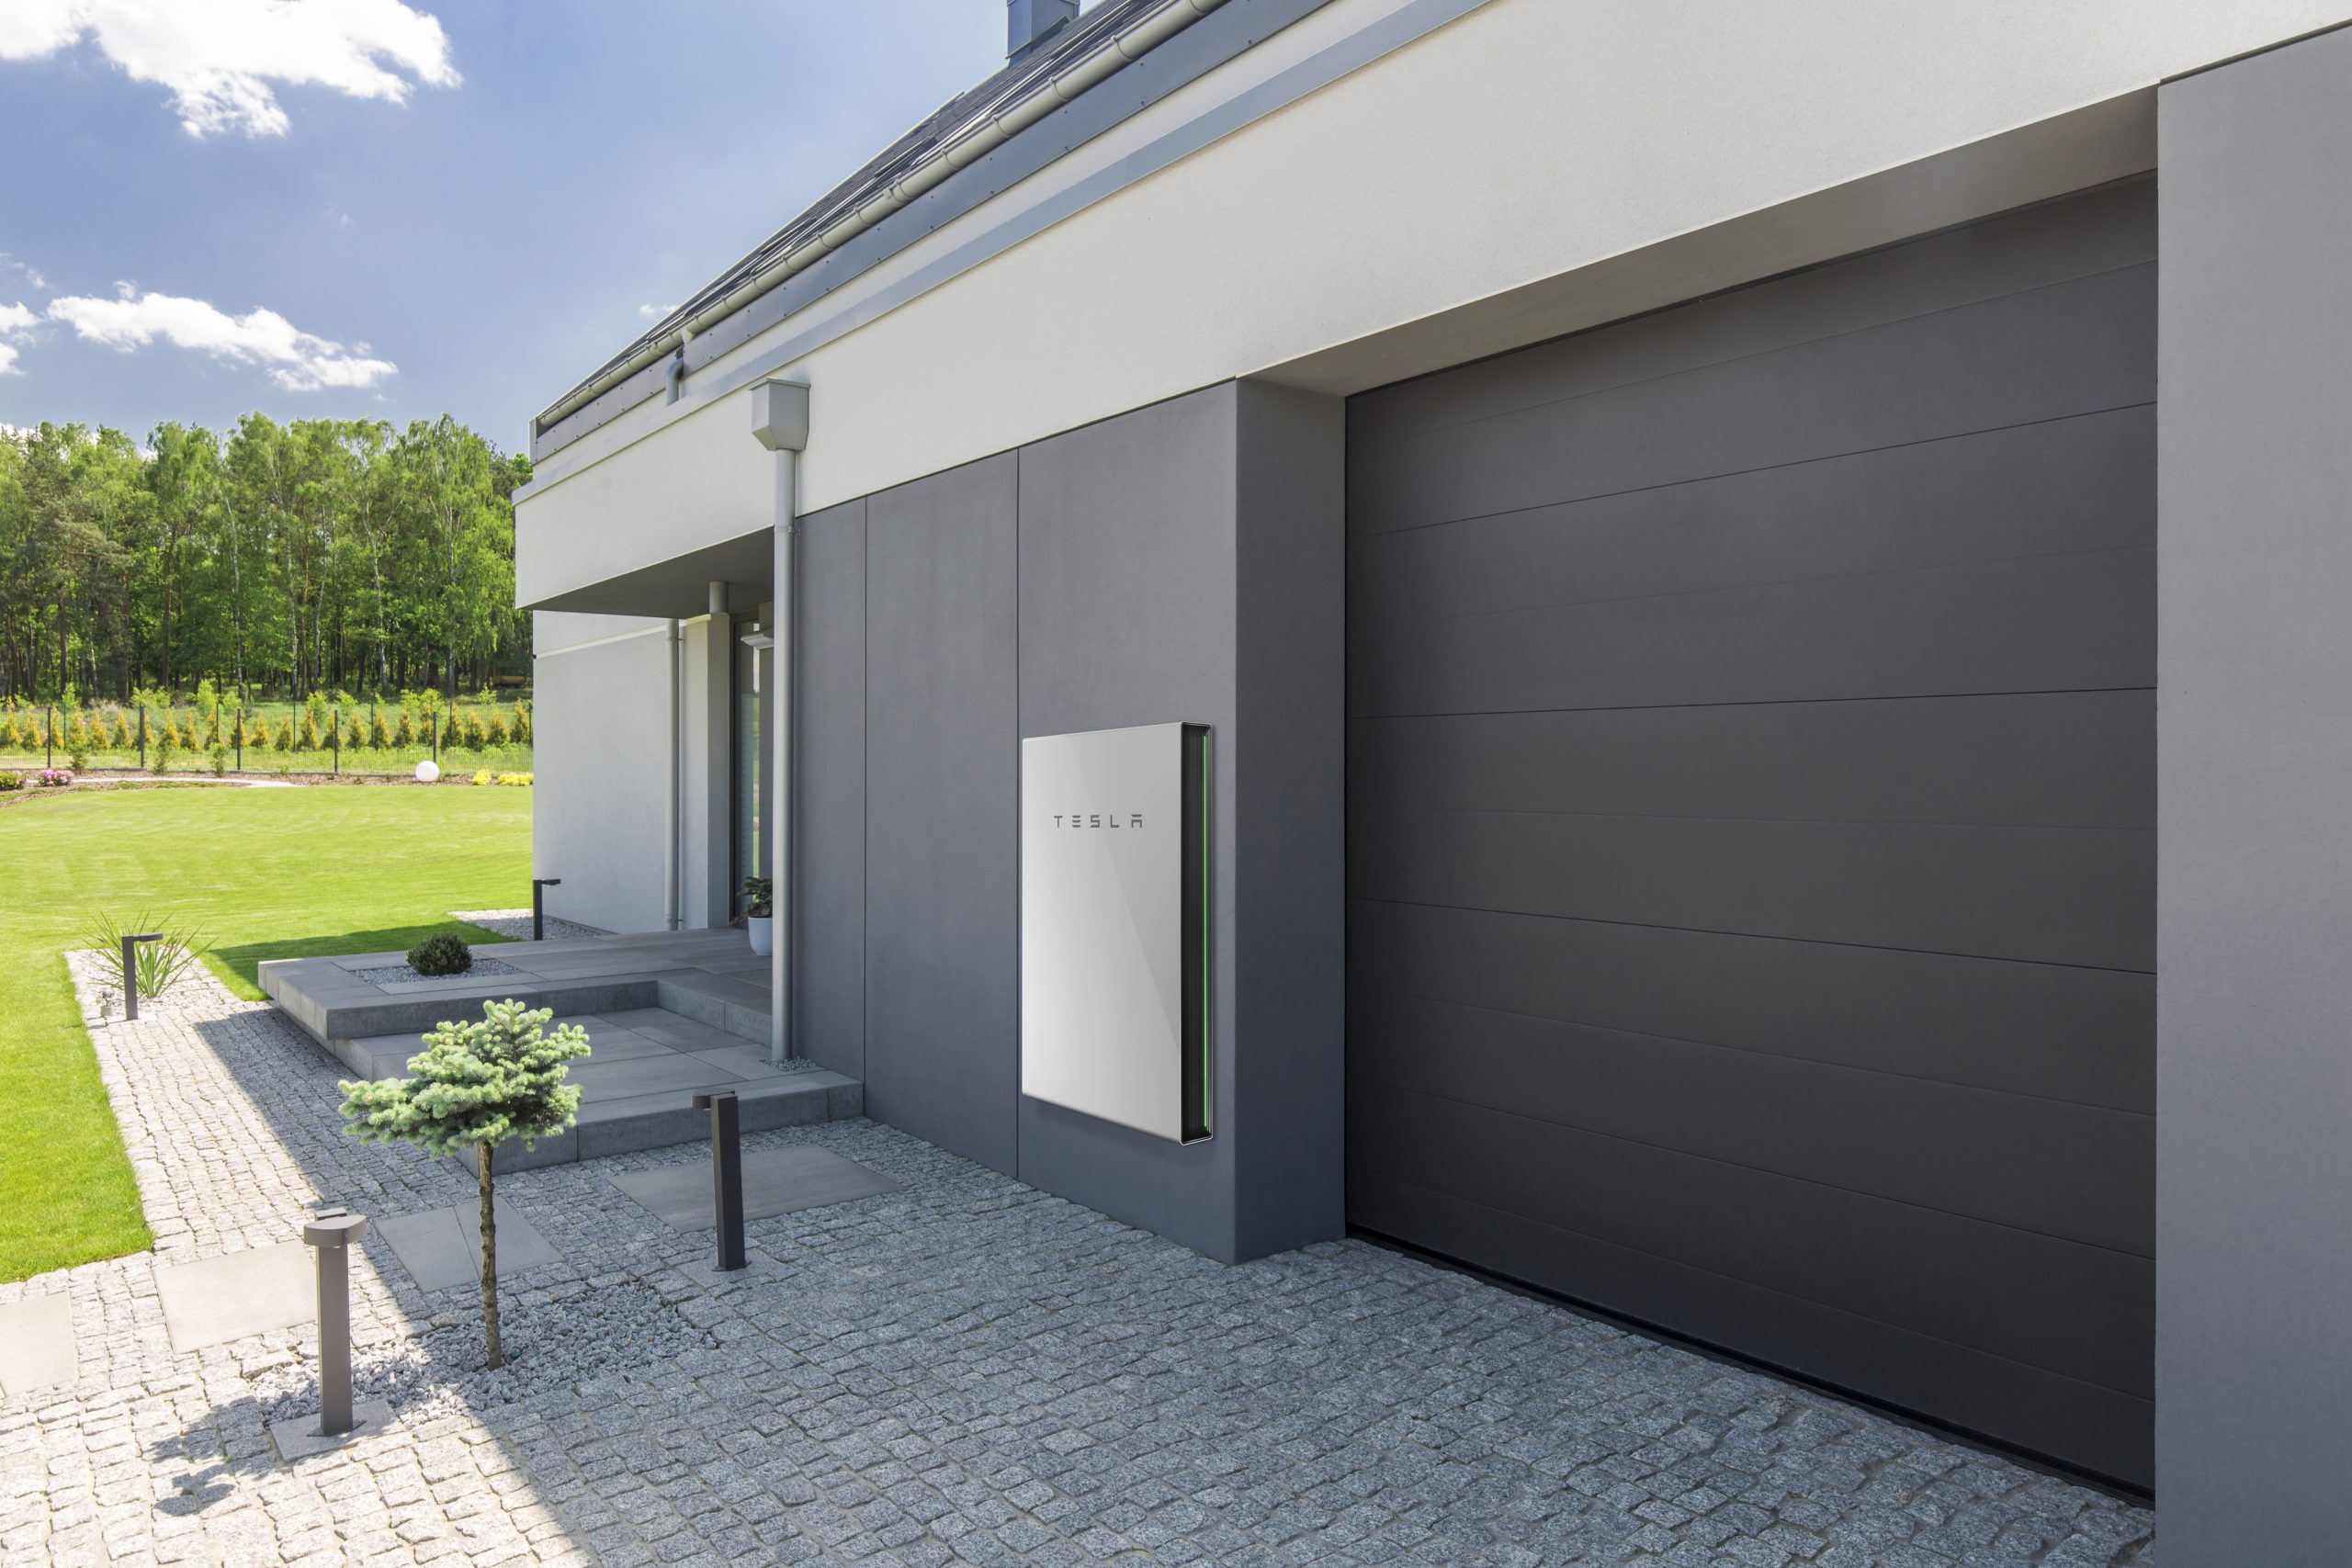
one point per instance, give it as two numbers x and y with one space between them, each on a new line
670 793
780 424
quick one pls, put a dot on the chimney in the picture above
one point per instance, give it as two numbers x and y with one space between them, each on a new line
1028 23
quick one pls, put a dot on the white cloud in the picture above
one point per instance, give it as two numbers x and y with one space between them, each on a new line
14 322
655 310
31 275
219 58
298 361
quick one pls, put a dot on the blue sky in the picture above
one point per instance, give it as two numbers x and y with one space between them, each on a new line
355 233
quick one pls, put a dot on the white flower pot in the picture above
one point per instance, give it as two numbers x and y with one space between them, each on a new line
762 929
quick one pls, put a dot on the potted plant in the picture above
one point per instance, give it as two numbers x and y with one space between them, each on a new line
759 910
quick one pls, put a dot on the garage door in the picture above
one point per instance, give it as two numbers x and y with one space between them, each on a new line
1751 817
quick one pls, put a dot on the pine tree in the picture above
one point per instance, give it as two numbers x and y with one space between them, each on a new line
406 734
476 736
312 739
379 734
286 735
495 731
79 737
125 739
521 727
453 734
474 1086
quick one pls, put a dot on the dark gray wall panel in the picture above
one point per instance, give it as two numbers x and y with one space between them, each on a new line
2085 483
2097 232
2254 1241
1290 838
1751 824
2065 349
2013 1159
2061 760
1144 499
2054 623
2045 895
1185 562
829 791
2062 1033
942 721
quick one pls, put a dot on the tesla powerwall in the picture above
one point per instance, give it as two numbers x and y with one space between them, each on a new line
1114 926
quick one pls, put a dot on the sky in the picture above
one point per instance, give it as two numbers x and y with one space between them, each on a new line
397 208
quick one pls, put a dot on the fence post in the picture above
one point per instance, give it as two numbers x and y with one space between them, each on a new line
142 737
335 737
48 751
725 1174
241 738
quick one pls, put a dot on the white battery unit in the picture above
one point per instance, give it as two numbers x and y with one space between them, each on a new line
1114 926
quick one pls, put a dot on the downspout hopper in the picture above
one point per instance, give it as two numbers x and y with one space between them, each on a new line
780 424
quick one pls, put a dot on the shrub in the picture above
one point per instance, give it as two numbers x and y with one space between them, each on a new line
78 738
476 736
521 727
78 757
220 760
443 953
310 738
187 736
314 708
482 777
379 734
160 745
453 733
285 735
155 965
124 739
10 779
517 779
406 734
54 778
208 703
495 731
212 731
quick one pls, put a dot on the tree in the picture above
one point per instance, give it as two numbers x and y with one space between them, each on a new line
474 1086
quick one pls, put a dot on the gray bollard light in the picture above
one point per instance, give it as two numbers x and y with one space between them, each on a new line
130 972
331 1234
725 1174
538 918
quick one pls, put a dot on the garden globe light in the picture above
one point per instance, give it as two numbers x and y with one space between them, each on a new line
427 770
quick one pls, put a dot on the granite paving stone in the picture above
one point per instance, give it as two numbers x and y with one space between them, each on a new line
953 1368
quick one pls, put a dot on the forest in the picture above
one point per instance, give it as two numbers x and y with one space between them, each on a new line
274 560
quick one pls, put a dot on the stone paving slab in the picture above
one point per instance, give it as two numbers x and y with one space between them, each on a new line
775 1182
211 1301
442 1247
37 1344
964 1371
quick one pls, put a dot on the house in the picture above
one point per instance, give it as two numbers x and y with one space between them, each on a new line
1755 761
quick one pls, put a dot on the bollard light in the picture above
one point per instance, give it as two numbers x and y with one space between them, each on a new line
725 1174
331 1234
130 972
538 929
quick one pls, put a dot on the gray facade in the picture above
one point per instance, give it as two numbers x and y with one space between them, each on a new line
1751 822
2254 1305
1181 562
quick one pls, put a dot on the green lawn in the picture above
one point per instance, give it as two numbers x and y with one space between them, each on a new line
261 874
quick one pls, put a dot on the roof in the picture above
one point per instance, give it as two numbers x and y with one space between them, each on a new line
1022 79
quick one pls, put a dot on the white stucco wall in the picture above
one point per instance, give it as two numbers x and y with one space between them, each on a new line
1527 139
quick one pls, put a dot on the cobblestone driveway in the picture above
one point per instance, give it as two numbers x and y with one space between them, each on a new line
965 1371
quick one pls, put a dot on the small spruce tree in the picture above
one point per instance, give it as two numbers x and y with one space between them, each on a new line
379 734
476 736
310 738
79 736
474 1086
406 734
124 739
495 731
453 733
286 735
521 727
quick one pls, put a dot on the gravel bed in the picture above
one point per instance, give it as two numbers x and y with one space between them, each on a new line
594 1331
400 974
516 924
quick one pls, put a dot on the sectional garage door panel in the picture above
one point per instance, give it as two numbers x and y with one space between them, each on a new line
1750 823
